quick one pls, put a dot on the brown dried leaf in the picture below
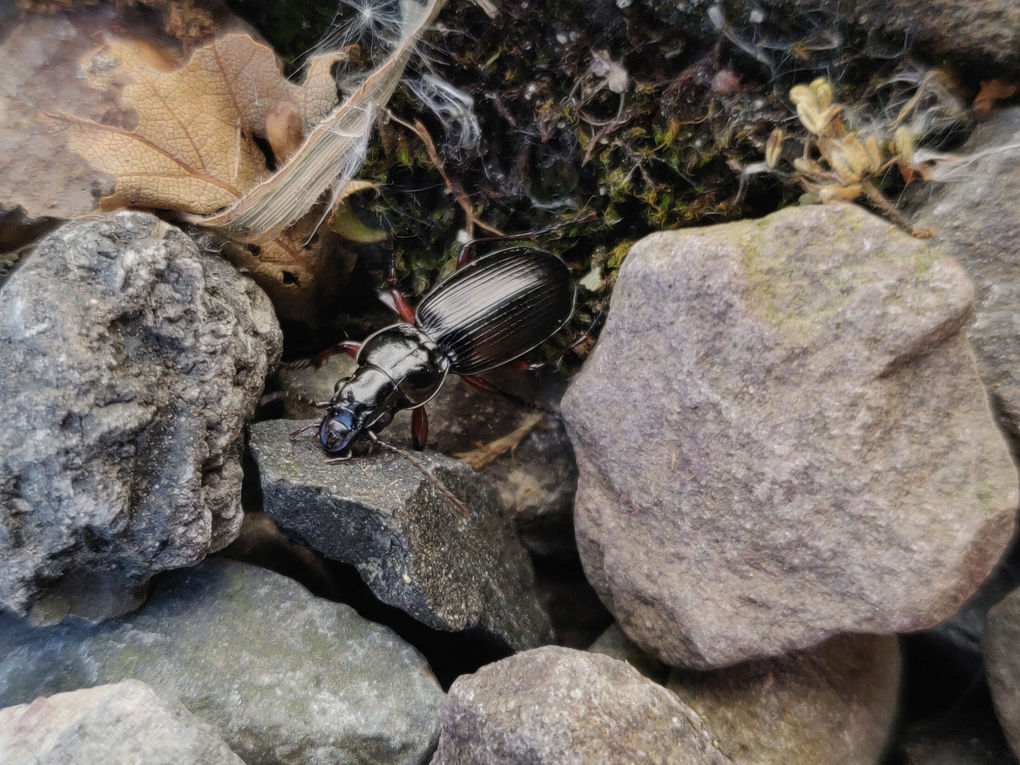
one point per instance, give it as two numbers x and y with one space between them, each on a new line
990 92
187 20
192 149
333 151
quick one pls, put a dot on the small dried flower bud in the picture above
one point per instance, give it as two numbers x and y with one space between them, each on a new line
823 93
774 148
804 166
903 141
801 94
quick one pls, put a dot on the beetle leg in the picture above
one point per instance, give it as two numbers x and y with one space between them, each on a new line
351 347
525 366
337 460
488 387
419 428
395 301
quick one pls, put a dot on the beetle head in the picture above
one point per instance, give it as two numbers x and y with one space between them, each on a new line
339 429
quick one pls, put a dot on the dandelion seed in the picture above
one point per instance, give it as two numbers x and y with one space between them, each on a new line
453 107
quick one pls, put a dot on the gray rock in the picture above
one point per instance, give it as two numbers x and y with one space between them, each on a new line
965 735
977 219
39 59
120 723
536 480
262 544
564 707
615 644
1001 647
986 30
781 436
284 676
412 546
834 703
982 31
131 363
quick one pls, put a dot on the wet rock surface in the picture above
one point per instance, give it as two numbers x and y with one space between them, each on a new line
132 362
557 705
833 703
719 517
284 676
121 722
411 545
976 216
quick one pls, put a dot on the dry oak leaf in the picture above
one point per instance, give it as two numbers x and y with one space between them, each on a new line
192 149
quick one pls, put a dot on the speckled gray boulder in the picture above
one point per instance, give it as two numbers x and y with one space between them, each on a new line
834 703
781 436
558 706
976 217
131 362
122 722
284 676
412 547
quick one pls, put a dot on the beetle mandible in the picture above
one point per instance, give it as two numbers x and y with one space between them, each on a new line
487 313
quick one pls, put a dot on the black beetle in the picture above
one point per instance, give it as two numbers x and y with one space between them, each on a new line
487 313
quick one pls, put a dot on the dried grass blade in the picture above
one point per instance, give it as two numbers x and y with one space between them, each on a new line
333 151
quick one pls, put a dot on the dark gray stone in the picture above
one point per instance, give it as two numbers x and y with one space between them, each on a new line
782 436
123 722
987 31
412 546
565 707
536 480
833 703
284 676
131 363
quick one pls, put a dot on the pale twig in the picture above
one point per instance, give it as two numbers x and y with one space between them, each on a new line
490 452
426 471
462 199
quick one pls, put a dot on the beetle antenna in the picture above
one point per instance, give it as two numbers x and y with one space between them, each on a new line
301 431
440 487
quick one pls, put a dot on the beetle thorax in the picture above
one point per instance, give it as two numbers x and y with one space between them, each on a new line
399 368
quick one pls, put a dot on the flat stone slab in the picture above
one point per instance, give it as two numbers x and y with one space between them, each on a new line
284 676
411 545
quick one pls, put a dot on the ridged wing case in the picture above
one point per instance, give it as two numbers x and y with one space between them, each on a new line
498 307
